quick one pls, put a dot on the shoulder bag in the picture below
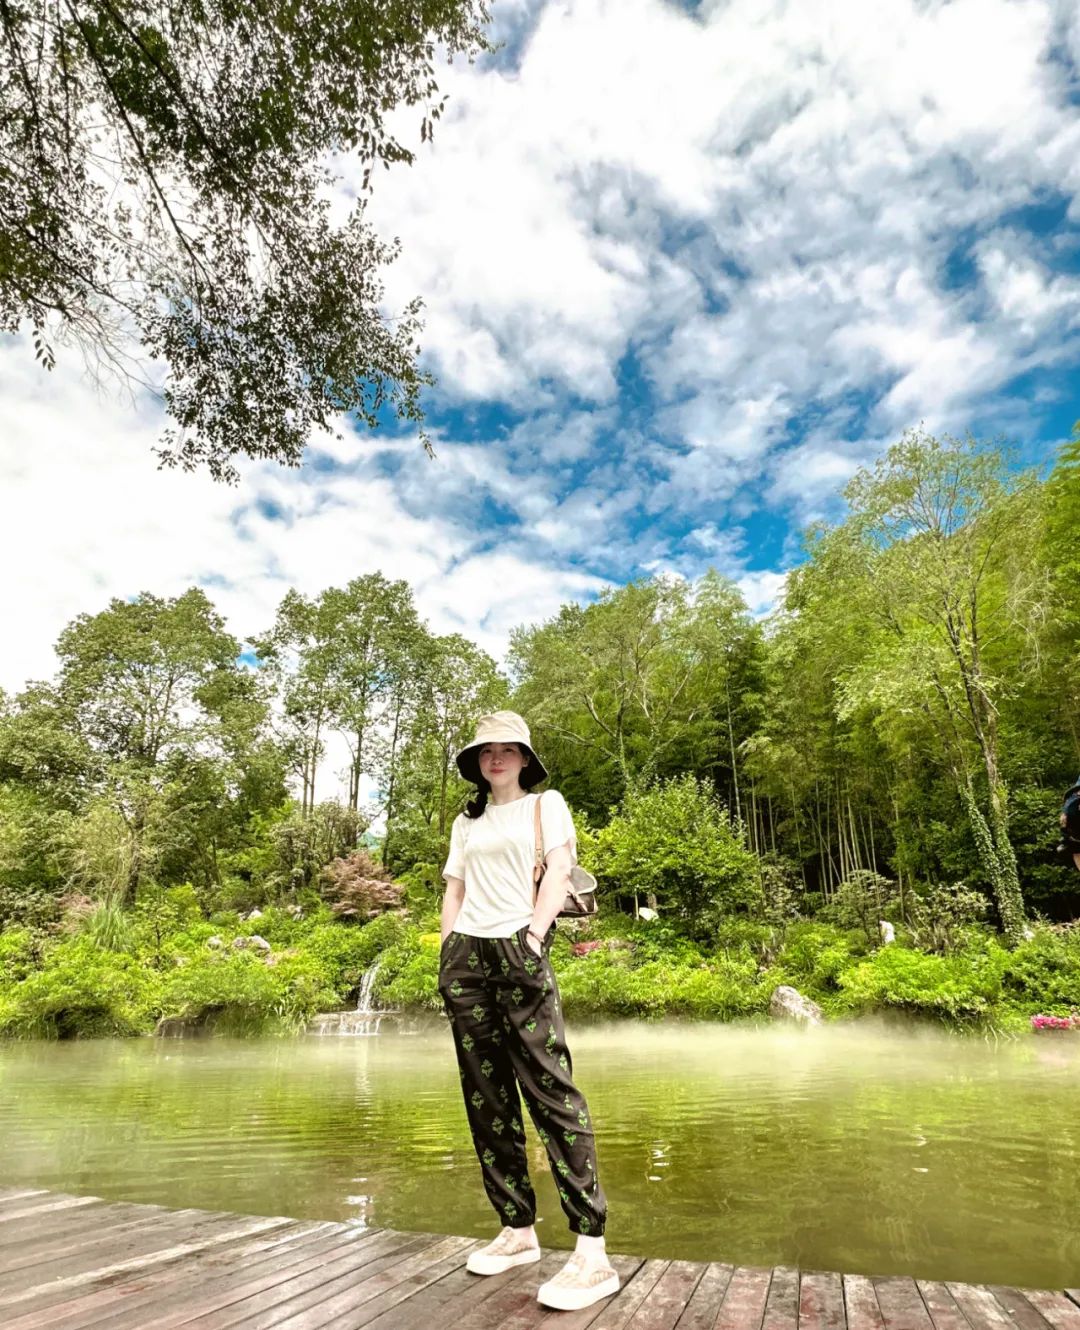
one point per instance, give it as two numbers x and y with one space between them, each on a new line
581 893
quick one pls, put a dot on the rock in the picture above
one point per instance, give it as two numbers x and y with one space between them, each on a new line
179 1027
253 914
788 1003
888 933
647 914
214 943
258 943
239 943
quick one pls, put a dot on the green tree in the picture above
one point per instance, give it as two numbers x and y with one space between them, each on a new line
674 840
165 183
374 650
936 551
298 655
149 700
459 683
619 688
1060 550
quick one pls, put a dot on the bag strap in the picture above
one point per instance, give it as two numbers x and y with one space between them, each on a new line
538 862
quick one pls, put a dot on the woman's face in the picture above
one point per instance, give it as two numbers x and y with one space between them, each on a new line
501 764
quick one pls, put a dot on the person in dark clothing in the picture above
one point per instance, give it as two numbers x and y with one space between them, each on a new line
1069 846
502 998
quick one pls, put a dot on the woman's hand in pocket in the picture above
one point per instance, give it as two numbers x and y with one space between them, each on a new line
535 947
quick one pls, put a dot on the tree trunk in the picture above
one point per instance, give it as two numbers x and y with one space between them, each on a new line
390 784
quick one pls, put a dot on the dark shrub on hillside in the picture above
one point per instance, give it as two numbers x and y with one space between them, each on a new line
356 887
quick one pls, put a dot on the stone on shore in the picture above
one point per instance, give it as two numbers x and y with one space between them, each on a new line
788 1003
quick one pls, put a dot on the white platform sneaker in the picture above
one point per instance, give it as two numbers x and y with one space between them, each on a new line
579 1284
507 1250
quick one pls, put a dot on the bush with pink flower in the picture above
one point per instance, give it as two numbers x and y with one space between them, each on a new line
1042 1022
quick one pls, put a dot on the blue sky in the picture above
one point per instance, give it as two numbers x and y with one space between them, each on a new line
684 268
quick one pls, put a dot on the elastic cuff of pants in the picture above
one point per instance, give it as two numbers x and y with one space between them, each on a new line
594 1230
528 1224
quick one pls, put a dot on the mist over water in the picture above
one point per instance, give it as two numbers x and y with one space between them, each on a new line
861 1148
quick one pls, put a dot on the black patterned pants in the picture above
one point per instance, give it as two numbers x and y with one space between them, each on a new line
503 1004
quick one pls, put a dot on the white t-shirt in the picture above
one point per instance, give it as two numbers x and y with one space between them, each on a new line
494 854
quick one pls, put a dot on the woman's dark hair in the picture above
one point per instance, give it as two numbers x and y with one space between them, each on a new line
475 807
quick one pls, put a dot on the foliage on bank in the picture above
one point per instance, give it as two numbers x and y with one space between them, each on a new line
109 975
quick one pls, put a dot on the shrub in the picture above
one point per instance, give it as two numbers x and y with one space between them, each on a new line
356 887
1044 970
942 917
409 974
246 990
862 900
81 991
744 936
18 957
961 986
109 927
607 982
345 954
815 955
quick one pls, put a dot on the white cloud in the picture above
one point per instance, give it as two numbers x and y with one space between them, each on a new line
87 517
760 199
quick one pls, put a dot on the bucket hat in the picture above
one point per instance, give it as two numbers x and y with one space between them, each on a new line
501 727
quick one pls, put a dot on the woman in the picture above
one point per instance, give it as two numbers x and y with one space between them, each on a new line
503 1002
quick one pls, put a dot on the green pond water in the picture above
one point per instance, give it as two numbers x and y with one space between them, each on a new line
854 1148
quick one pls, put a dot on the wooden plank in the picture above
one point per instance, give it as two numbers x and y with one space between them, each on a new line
626 1267
516 1295
56 1227
941 1305
148 1260
1059 1310
11 1195
706 1300
30 1262
821 1301
981 1309
902 1307
57 1241
364 1299
1073 1294
140 1299
237 1297
659 1309
744 1300
782 1305
1020 1311
457 1290
861 1304
45 1203
306 1289
85 1248
50 1225
233 1286
119 1295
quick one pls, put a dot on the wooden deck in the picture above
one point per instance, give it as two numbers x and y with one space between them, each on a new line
77 1261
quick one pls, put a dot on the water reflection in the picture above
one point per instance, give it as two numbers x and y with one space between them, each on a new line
862 1148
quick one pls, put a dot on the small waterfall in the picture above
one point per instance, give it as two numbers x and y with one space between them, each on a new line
364 1020
364 1004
